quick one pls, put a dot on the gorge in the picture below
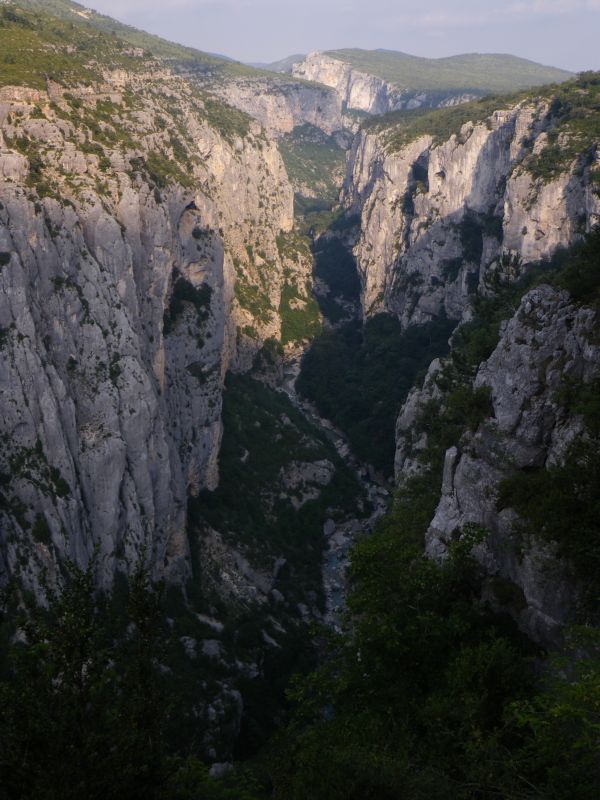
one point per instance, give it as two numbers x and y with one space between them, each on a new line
328 379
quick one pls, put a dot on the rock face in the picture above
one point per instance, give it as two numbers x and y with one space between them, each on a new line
280 105
466 213
441 219
126 230
360 91
547 340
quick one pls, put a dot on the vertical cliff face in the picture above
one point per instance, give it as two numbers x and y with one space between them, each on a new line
478 217
361 91
281 105
356 89
548 343
445 216
136 218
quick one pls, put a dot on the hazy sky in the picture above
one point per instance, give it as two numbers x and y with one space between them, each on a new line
564 33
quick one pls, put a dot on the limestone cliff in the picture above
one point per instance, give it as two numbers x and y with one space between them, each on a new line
281 105
138 225
548 341
361 91
456 200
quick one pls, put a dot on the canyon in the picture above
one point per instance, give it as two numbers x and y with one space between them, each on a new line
165 277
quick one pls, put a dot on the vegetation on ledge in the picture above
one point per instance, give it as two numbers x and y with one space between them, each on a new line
314 162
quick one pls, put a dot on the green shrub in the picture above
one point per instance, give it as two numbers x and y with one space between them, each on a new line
163 170
253 299
228 121
413 698
313 160
561 504
184 294
581 274
41 530
298 324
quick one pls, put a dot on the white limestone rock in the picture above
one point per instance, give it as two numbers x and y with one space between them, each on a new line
440 221
548 339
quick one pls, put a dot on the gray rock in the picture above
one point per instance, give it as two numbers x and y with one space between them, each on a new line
417 203
115 417
547 338
281 105
220 770
364 92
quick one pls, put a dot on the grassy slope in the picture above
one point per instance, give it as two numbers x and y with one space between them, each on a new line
34 46
73 12
201 63
476 72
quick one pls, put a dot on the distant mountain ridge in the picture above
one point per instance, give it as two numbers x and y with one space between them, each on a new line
278 101
484 72
283 65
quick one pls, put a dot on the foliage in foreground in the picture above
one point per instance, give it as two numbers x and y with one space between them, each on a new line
428 695
85 708
431 696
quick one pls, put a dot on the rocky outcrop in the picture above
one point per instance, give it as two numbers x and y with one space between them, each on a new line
126 231
444 217
280 106
361 91
548 340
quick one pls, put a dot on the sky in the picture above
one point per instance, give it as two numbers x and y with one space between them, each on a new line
562 33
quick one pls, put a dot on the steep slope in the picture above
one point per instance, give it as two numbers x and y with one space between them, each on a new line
454 200
379 81
72 12
497 423
147 258
147 250
278 102
454 215
140 259
281 104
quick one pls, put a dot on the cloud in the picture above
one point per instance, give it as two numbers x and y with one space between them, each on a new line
562 6
468 13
